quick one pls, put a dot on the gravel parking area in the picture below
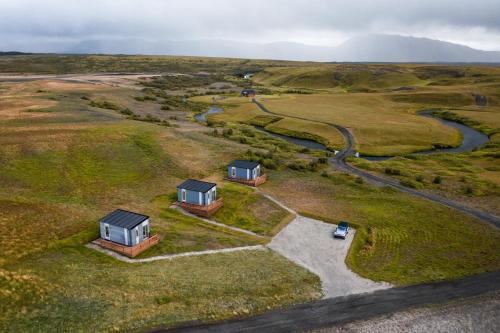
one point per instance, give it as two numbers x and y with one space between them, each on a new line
475 314
310 243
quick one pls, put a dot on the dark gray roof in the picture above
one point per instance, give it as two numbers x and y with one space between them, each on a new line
124 219
196 185
244 164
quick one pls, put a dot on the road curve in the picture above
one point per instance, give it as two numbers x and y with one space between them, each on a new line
334 311
339 161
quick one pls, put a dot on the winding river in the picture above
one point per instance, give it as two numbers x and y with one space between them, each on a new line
472 139
203 116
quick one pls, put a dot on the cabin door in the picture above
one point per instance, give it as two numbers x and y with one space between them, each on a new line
209 197
136 235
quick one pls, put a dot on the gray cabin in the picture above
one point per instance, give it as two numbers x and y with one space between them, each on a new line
247 170
124 227
197 192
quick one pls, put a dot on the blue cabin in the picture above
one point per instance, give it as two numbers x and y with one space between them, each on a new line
246 170
125 228
197 192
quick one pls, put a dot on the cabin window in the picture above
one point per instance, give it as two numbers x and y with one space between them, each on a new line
233 172
145 231
183 195
214 194
106 231
208 196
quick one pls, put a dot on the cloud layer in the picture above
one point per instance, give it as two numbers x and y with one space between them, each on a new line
46 24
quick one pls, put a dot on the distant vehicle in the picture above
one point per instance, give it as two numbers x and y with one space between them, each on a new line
342 230
248 93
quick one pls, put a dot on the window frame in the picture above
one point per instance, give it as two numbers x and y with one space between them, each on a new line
107 231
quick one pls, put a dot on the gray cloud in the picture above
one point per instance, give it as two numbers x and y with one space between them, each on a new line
51 22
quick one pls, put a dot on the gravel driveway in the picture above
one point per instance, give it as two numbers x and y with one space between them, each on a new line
310 243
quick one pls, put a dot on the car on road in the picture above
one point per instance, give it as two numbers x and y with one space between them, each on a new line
342 230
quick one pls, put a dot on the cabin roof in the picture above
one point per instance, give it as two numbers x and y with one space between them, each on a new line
244 164
196 185
125 219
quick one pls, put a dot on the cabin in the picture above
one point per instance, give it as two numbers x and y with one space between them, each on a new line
126 232
198 197
245 172
248 93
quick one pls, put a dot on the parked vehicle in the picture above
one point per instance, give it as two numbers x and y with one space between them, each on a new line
342 230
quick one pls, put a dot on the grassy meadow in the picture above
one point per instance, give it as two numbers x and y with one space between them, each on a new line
64 164
400 239
72 152
380 126
246 209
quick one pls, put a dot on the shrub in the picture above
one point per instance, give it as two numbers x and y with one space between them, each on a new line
227 132
391 171
409 183
437 180
322 160
126 112
248 132
165 107
419 178
359 180
215 132
104 105
469 190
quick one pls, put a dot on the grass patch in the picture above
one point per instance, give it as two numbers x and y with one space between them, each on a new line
322 133
244 208
96 293
180 233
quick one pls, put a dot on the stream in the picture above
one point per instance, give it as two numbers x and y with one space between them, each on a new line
203 116
472 139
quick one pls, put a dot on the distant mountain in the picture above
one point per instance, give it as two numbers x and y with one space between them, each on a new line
368 48
393 48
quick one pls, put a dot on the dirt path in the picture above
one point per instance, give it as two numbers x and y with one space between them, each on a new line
172 256
310 243
222 225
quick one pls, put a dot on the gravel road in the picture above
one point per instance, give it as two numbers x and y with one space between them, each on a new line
475 315
310 243
350 309
340 163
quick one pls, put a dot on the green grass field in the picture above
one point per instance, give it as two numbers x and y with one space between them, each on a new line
65 162
61 171
246 209
76 289
400 239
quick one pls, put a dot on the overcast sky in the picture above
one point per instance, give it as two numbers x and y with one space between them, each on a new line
475 23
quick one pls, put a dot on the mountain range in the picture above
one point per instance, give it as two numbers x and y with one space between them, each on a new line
366 48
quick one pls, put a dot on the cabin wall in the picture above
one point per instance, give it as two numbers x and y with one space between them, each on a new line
138 230
191 197
194 197
240 173
116 234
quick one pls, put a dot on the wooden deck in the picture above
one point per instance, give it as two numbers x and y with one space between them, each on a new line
129 251
203 211
255 182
